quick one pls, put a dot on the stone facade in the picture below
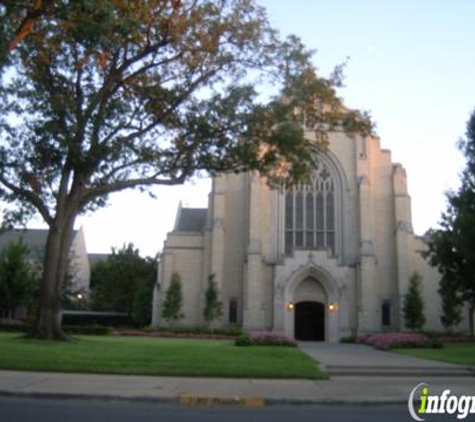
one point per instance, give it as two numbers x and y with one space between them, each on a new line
333 256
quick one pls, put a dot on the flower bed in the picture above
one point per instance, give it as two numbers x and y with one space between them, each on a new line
140 333
385 341
264 338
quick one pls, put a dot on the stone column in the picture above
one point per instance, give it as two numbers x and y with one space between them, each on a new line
403 229
157 292
254 317
368 309
218 232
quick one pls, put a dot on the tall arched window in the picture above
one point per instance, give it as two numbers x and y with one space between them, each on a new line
310 213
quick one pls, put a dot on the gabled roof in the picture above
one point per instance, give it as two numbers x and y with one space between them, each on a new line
191 220
35 239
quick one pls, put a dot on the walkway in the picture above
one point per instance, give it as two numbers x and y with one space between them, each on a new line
361 360
350 390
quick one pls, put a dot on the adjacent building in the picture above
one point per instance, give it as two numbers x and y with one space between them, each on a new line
35 239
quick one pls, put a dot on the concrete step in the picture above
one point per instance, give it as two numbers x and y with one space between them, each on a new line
399 371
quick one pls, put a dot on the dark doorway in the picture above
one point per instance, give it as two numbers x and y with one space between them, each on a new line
310 321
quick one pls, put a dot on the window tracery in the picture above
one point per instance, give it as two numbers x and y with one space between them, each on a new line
310 213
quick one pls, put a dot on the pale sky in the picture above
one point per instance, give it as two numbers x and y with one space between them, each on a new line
411 65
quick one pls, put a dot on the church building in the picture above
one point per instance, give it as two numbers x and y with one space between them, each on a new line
322 260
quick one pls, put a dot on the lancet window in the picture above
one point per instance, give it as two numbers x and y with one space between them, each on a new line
310 213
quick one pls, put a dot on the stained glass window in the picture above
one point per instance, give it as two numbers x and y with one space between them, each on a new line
310 214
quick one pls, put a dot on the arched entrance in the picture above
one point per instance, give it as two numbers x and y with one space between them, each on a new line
310 321
314 284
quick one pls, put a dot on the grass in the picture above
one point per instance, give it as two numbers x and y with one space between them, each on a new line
459 353
155 356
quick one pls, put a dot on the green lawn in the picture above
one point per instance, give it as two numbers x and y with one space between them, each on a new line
155 356
460 353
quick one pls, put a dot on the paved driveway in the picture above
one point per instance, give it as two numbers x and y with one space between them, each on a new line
358 359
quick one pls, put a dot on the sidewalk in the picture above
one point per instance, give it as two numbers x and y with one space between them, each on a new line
347 389
361 360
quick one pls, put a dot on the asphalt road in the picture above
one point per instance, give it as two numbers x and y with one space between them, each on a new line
45 410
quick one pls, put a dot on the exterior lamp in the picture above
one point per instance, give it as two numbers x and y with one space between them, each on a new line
290 306
79 296
332 307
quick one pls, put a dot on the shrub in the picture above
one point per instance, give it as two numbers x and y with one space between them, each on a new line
14 326
413 306
93 329
89 318
350 339
173 302
213 306
225 331
169 334
88 330
264 338
243 340
385 341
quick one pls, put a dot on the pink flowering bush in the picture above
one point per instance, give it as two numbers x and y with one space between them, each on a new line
265 338
385 341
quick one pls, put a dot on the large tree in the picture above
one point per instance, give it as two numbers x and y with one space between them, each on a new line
452 245
108 95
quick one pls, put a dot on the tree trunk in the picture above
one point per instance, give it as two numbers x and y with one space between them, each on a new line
48 321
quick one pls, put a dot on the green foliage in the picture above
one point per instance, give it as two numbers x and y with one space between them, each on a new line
451 304
225 331
115 95
88 330
413 307
173 301
102 96
213 306
451 246
143 297
91 329
243 340
124 283
17 280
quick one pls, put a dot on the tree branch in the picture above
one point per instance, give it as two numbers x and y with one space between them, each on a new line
92 193
29 196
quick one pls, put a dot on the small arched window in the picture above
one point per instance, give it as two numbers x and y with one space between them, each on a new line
310 213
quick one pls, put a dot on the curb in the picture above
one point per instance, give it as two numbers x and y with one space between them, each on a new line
203 400
213 400
98 397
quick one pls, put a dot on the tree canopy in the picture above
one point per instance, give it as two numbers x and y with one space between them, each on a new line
17 279
451 246
101 96
124 283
